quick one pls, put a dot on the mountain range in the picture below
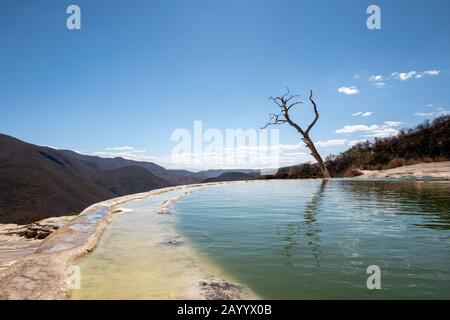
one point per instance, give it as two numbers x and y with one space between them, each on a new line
38 182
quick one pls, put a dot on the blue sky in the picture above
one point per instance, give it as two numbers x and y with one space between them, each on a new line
137 71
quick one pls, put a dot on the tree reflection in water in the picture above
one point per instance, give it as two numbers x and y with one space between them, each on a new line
306 229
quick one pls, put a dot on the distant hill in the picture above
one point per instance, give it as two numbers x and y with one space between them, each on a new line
129 180
39 182
233 176
114 163
217 172
427 142
175 177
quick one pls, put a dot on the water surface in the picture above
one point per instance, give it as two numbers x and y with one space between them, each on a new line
310 239
134 261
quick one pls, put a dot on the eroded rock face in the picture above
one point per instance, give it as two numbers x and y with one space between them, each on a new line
42 229
17 241
166 205
37 230
175 241
217 289
42 273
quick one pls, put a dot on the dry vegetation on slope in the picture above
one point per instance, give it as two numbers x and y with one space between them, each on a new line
428 142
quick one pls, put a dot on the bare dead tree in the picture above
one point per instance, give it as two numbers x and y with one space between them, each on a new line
285 103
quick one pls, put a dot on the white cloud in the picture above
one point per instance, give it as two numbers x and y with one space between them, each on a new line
431 72
338 142
439 112
379 84
348 90
124 149
331 143
392 123
384 130
238 157
423 114
243 157
355 128
442 112
125 152
376 78
351 143
383 133
362 114
402 76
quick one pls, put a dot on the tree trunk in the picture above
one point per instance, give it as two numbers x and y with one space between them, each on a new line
322 167
275 119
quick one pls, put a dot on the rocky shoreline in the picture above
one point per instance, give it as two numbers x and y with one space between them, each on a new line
34 259
17 241
433 170
39 271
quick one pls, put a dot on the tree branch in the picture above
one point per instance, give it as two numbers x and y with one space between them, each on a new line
274 120
286 94
275 100
293 104
315 112
292 97
282 103
284 117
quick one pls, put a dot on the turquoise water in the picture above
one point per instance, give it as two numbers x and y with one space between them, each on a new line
311 239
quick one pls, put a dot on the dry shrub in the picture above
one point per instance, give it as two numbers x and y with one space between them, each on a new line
351 172
427 142
377 167
440 159
411 162
394 163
